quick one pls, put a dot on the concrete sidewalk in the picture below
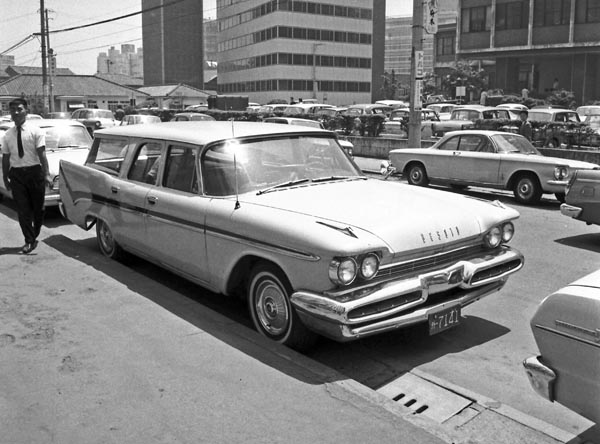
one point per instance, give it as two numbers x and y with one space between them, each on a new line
92 353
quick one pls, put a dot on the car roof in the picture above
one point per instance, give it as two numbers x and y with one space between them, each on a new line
203 132
480 132
552 110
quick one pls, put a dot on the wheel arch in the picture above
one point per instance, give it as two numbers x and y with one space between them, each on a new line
515 176
239 274
410 163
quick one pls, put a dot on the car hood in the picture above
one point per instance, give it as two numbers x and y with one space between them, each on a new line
75 155
404 217
547 160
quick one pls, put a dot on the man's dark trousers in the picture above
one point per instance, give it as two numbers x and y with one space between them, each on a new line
29 189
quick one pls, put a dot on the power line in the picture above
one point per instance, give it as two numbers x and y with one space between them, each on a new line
174 2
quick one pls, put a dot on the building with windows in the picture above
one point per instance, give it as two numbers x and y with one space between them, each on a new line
541 45
127 61
329 50
173 43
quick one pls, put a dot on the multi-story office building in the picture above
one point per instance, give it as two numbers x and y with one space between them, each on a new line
331 50
398 40
538 44
173 46
127 61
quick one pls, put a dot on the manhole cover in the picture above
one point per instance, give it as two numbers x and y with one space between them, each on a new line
424 397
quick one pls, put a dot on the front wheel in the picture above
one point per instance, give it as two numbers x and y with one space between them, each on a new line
271 310
527 189
106 241
417 175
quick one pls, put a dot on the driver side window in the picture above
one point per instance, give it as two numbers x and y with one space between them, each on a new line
451 144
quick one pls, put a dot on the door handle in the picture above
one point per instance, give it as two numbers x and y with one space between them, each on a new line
152 200
115 189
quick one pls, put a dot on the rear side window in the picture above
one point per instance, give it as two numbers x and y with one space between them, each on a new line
146 165
108 154
180 169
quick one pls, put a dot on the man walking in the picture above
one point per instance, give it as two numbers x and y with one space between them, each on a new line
25 171
525 129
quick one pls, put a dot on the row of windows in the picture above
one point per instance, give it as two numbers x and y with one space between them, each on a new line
294 85
294 59
515 15
289 32
295 6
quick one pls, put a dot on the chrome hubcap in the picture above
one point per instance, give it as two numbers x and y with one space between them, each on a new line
271 308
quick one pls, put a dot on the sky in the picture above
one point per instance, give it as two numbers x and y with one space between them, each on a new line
78 49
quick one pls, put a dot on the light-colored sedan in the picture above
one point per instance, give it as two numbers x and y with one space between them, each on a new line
492 159
65 139
281 216
465 116
137 119
566 328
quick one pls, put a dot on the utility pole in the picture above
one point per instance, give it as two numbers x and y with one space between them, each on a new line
51 66
416 76
44 56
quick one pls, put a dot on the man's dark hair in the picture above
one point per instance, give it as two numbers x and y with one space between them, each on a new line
18 101
524 111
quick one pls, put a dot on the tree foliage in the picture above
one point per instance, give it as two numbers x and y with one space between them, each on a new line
465 73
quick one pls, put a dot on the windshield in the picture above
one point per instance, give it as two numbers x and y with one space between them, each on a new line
513 143
273 162
62 137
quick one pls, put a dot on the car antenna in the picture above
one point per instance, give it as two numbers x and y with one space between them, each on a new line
235 175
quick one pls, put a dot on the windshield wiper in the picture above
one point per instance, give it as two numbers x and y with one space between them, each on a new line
330 178
283 185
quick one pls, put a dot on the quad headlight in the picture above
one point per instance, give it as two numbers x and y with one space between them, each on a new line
561 172
345 270
500 234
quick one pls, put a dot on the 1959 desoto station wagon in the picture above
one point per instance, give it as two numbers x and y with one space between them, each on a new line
282 216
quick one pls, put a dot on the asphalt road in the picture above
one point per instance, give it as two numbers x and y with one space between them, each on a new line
485 353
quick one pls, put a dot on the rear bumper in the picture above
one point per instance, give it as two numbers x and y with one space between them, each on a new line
405 301
541 377
570 210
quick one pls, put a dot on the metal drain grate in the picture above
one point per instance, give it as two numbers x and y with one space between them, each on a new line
425 398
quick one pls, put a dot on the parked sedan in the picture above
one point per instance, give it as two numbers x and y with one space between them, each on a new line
185 117
566 328
279 215
137 119
464 117
94 118
491 159
582 201
65 139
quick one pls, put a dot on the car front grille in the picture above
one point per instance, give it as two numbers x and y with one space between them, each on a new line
430 262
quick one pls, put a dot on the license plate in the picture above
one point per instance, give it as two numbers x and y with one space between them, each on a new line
443 320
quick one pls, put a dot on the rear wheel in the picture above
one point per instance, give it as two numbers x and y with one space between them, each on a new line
271 310
416 175
527 189
106 242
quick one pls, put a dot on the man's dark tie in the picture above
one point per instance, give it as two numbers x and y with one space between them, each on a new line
20 142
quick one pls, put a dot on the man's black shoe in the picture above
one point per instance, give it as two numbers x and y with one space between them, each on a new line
28 248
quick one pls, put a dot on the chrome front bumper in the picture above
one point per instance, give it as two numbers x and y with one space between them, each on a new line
335 315
541 377
570 210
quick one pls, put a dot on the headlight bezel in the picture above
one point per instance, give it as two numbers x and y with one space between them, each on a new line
561 172
499 235
345 270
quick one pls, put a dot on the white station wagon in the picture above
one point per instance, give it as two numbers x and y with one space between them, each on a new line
282 216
